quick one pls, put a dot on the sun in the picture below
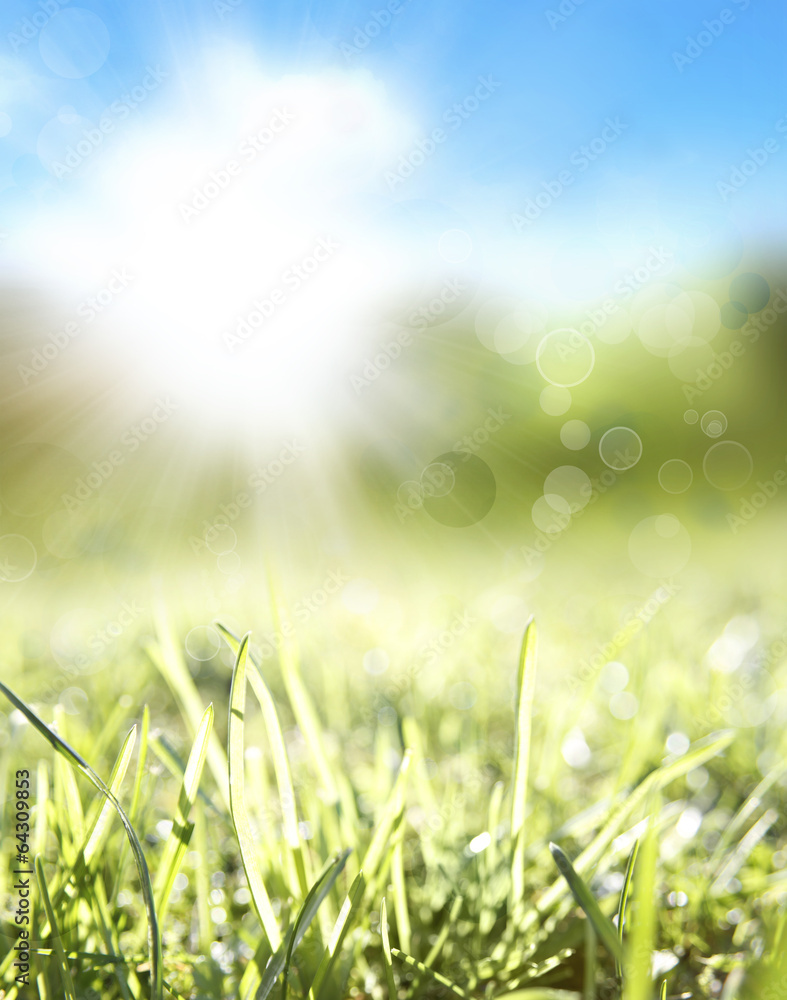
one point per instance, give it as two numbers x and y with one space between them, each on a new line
247 236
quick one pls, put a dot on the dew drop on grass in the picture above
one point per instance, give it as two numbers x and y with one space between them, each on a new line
623 705
375 661
576 753
613 677
688 822
678 743
480 843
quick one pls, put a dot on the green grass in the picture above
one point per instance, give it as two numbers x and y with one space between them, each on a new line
315 848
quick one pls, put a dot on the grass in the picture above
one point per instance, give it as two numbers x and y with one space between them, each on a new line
314 848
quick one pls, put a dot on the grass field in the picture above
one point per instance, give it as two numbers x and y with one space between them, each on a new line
393 473
467 820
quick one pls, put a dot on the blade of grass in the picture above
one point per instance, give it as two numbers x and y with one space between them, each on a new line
380 842
602 925
420 967
42 798
750 806
135 796
538 969
99 828
389 976
142 754
325 882
445 930
344 802
302 706
280 962
180 834
525 691
201 877
63 967
737 856
624 895
637 983
663 990
281 764
68 799
400 890
539 993
340 929
589 972
237 794
71 755
168 659
177 768
697 755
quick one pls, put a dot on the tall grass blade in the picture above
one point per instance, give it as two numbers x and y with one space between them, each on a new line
525 691
602 925
389 976
340 929
99 830
317 893
71 755
180 834
695 756
168 659
65 972
624 895
280 962
589 973
637 983
420 967
281 764
100 826
237 792
302 705
539 993
380 842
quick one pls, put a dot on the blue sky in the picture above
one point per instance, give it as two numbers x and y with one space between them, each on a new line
539 150
560 80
